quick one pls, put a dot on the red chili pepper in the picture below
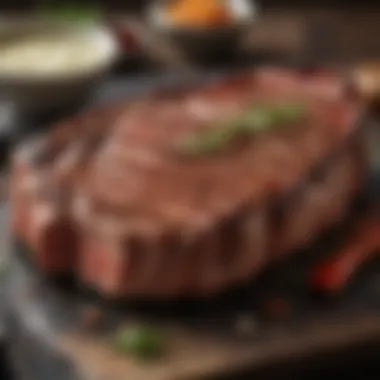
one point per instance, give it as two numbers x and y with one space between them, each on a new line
335 273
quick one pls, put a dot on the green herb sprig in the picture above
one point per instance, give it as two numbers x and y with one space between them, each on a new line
142 342
257 119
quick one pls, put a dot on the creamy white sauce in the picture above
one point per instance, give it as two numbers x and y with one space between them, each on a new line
47 55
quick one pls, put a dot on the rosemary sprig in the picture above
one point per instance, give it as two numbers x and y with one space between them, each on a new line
208 141
266 117
257 119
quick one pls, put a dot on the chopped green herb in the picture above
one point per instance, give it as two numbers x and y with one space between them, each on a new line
262 118
142 342
206 142
257 119
287 113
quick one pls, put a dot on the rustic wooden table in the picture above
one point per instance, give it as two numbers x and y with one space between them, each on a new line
303 35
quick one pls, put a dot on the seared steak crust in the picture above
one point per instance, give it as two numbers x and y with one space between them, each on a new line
104 196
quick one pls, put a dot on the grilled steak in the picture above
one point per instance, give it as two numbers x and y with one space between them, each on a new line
189 192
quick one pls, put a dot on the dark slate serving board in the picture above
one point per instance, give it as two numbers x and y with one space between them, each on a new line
48 337
48 340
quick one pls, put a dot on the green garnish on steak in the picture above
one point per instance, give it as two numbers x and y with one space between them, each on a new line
262 118
142 342
259 118
206 142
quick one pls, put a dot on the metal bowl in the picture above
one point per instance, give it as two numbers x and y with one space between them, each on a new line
204 42
44 92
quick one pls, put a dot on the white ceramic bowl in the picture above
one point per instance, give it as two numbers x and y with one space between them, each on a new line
33 91
206 41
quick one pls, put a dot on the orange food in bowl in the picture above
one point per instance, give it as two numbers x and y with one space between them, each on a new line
199 13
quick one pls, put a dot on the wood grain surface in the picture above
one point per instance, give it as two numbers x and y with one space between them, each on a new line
310 35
